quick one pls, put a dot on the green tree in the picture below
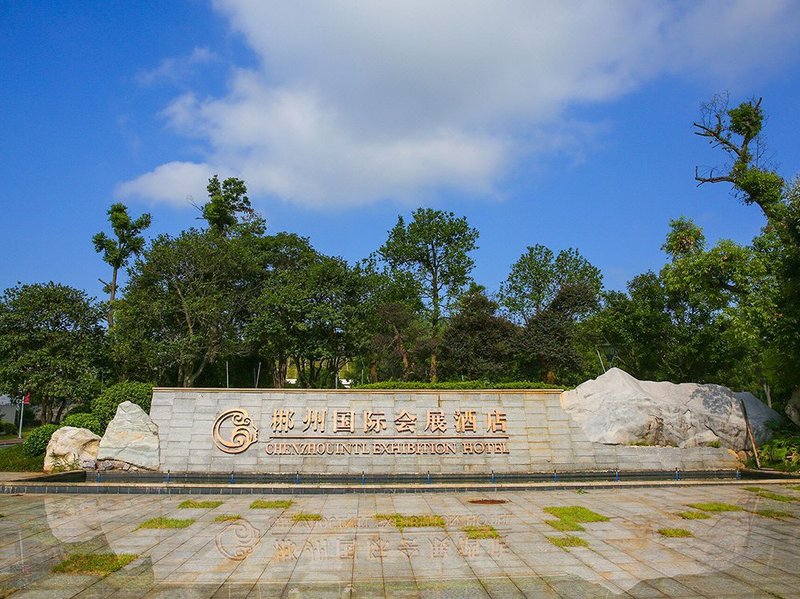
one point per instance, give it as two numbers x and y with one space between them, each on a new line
186 304
51 345
538 276
700 319
116 252
548 294
478 343
309 313
738 133
393 324
434 249
226 201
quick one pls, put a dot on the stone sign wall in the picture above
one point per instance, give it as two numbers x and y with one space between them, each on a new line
391 432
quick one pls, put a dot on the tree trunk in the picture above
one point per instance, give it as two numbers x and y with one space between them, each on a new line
62 404
112 297
434 378
373 372
401 347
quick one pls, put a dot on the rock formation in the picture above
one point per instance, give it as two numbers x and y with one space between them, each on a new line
71 448
618 409
130 441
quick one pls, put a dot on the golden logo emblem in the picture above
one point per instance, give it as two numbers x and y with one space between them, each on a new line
243 435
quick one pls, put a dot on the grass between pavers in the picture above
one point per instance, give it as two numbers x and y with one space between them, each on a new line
565 525
192 504
568 541
12 459
162 522
481 532
675 532
694 515
307 517
227 518
274 504
794 488
776 514
575 514
402 521
767 494
716 507
96 564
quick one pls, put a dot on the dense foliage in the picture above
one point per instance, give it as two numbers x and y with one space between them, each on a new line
229 304
87 421
52 346
104 406
35 443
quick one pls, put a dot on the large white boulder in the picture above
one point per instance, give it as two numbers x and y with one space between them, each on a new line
71 448
130 440
618 409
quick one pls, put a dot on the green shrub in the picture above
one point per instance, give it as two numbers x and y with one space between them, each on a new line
84 421
105 406
36 442
9 428
782 453
458 385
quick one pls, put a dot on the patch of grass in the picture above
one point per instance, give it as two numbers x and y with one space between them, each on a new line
481 532
162 522
227 518
775 496
773 514
675 532
277 504
413 521
96 564
716 507
575 513
714 444
191 504
12 459
568 541
754 489
794 488
307 517
693 515
565 525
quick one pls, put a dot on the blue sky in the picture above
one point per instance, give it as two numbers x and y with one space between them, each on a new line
565 124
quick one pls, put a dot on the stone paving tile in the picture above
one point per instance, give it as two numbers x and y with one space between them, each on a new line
349 553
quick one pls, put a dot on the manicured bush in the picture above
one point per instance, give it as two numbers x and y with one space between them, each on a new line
458 385
84 421
105 406
36 442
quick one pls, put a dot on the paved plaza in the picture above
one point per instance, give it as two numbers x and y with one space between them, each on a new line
334 546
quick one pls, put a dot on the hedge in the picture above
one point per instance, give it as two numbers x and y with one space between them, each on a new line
36 441
458 385
81 420
105 406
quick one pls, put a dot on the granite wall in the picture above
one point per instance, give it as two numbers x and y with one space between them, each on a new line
393 432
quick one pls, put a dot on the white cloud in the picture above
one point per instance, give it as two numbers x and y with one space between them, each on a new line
355 102
174 69
179 183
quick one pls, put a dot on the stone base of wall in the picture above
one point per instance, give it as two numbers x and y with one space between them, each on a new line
513 432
